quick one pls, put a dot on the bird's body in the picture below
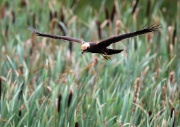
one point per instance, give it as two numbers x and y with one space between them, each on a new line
101 46
95 48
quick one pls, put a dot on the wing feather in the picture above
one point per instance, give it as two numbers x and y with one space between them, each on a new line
114 39
55 36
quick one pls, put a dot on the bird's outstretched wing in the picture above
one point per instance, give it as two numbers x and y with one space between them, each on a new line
55 36
114 39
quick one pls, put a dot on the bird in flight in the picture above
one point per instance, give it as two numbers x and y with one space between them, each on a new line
100 47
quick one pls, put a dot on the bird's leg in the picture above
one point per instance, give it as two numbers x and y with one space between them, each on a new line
106 56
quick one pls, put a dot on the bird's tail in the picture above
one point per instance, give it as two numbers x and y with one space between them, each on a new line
113 51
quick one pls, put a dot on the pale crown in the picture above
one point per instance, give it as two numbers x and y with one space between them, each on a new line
85 46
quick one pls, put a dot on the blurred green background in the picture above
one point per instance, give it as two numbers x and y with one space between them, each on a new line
49 83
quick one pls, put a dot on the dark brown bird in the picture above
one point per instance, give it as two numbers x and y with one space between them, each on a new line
100 46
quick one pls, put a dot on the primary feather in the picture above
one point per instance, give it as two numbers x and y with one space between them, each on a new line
114 39
55 36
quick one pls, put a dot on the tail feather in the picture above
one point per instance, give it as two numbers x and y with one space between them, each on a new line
113 51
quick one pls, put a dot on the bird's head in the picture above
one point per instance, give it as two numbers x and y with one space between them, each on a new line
85 47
